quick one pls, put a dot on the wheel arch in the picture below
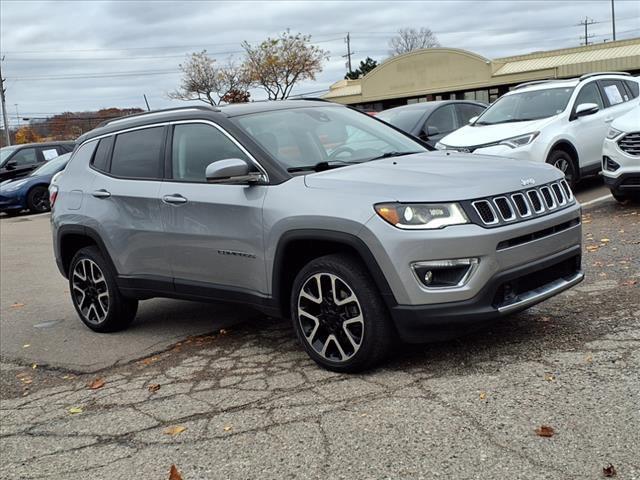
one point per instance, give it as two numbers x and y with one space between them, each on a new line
296 248
567 147
72 238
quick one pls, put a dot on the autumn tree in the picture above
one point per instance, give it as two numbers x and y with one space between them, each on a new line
409 39
236 96
278 64
26 134
365 67
205 80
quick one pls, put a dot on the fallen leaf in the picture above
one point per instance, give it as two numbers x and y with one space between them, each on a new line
483 395
589 359
227 428
549 377
609 471
223 331
34 366
97 383
149 361
174 474
17 305
75 410
67 377
26 345
629 283
175 430
605 240
544 431
592 248
154 387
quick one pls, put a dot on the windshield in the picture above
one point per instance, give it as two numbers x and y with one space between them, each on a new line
403 118
520 107
52 166
5 152
301 137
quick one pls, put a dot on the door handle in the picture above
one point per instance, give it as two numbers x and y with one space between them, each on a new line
102 193
175 199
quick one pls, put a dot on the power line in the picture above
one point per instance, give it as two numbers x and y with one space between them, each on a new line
586 23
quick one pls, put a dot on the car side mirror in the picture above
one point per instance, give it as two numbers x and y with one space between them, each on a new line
585 109
472 120
430 131
11 165
232 171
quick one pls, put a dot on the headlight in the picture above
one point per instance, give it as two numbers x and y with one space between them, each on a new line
13 186
613 133
520 140
418 216
440 146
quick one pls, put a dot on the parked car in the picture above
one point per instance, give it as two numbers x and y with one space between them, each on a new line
561 122
31 192
431 121
18 160
311 211
621 156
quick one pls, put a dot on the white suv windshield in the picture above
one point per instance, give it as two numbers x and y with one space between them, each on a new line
532 105
301 137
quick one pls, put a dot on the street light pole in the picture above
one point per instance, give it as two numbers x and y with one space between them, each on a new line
5 120
613 19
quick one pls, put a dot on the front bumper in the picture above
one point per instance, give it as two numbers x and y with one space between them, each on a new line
11 202
626 177
534 282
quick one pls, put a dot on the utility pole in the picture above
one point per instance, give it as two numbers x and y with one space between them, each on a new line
613 19
587 21
17 115
5 120
349 52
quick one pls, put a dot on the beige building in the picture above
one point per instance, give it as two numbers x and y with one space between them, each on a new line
450 73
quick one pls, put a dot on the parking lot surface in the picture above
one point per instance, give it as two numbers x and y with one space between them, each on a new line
246 402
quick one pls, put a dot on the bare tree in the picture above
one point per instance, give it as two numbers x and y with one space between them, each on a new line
277 64
203 79
409 39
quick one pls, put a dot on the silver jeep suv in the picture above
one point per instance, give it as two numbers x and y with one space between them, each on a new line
313 211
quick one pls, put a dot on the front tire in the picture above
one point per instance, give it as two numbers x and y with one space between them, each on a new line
620 198
563 161
339 316
38 200
95 295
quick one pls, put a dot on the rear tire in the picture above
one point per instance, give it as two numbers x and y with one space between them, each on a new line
339 316
95 295
563 161
38 199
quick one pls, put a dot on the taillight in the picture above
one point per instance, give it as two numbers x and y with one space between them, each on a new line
53 195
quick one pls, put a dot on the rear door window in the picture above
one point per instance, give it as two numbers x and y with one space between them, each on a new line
466 111
139 154
614 92
443 119
633 87
102 156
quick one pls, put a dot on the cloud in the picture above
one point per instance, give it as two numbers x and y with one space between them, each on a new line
42 40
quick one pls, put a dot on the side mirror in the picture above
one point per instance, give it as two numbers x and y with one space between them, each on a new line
585 109
232 171
430 131
472 120
11 165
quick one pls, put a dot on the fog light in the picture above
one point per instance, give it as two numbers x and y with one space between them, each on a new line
445 273
609 165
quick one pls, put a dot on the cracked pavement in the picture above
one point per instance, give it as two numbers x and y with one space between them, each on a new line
254 405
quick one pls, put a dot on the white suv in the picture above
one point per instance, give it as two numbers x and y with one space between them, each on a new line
561 122
621 156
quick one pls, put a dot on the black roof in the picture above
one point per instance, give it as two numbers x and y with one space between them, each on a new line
198 112
43 144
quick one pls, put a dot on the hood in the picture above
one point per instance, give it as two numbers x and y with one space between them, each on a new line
629 122
474 135
434 177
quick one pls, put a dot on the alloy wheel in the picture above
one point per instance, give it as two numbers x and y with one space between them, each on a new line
90 291
330 317
41 200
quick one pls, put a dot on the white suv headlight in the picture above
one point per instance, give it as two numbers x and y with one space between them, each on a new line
613 133
520 140
421 216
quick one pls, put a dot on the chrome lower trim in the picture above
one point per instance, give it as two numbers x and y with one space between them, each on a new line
542 293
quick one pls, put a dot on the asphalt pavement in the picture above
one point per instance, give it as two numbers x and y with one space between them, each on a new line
246 402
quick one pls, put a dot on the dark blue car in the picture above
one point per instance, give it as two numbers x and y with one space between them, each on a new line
31 192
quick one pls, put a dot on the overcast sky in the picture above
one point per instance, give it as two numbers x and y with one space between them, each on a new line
85 55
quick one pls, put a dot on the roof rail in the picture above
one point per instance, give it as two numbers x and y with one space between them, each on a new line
535 82
312 99
596 74
164 110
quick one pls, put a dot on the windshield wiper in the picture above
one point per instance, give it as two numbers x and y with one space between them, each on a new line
392 154
511 120
320 166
